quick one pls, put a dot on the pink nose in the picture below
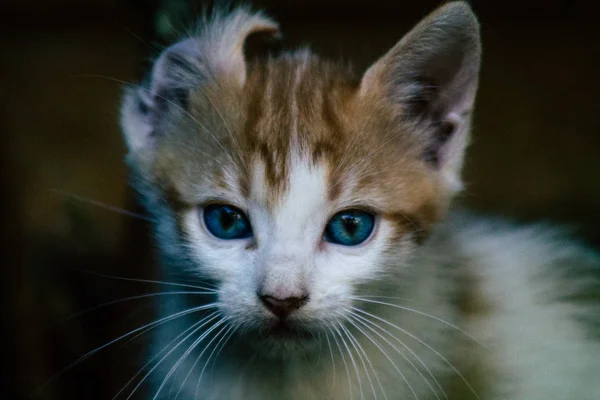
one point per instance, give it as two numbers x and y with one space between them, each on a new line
283 307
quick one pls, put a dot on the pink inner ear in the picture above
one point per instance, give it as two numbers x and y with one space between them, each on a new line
442 133
135 120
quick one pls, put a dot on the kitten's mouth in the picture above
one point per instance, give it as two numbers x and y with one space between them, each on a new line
285 331
279 339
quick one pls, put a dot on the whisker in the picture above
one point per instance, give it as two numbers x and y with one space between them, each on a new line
209 356
424 344
366 300
390 360
102 205
365 323
222 346
344 361
122 278
354 343
371 296
99 348
191 279
353 362
332 361
318 339
113 302
197 359
369 362
185 354
197 325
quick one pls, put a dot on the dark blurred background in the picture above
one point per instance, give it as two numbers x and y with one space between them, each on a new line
534 155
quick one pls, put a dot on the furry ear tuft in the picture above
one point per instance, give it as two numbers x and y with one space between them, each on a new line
216 54
432 75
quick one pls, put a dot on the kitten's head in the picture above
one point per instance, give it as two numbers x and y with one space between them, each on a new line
292 183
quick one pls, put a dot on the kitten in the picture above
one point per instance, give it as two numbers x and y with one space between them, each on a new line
307 209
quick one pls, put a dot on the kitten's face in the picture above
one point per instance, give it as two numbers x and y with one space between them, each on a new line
304 147
291 183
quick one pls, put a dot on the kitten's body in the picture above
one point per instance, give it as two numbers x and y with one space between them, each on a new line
290 141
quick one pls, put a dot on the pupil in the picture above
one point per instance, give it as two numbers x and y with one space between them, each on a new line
228 218
350 224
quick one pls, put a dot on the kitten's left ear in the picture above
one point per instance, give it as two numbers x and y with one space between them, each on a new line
432 74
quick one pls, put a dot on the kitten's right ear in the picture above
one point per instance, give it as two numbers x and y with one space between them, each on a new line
216 54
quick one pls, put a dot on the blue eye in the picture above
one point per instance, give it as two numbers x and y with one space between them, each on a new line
226 222
349 227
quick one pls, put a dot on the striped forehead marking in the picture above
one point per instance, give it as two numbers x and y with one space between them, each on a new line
294 106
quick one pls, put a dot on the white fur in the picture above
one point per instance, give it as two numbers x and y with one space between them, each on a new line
539 352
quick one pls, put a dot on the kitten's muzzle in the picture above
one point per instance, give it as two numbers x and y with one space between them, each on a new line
281 308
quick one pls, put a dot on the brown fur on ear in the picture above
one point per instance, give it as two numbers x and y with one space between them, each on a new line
431 77
215 55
